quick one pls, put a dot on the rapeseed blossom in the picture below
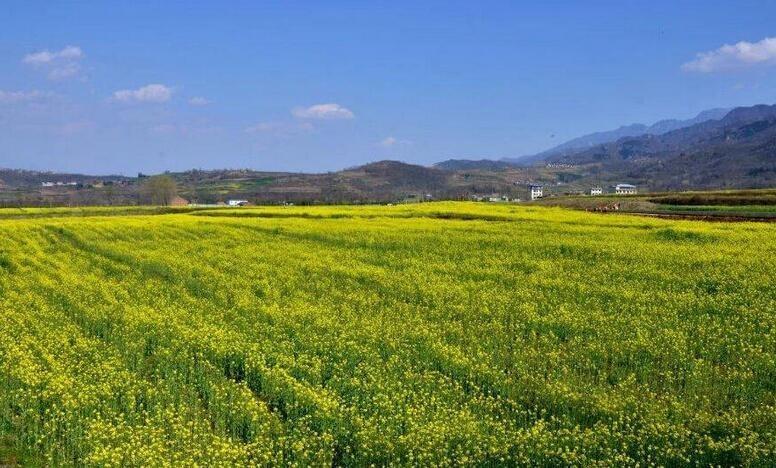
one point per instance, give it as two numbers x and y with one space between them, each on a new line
436 334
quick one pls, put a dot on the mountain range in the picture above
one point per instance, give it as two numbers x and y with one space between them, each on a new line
738 150
716 149
597 138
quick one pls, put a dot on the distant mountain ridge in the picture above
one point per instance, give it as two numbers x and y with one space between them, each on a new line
23 178
718 148
738 150
586 141
473 164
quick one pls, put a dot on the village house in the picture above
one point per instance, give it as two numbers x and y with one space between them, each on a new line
237 202
625 189
536 191
179 201
596 191
498 198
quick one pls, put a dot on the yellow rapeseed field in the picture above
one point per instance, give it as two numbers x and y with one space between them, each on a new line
434 334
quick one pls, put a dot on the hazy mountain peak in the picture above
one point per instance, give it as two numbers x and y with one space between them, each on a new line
598 138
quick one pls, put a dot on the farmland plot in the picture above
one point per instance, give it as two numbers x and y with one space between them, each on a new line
435 334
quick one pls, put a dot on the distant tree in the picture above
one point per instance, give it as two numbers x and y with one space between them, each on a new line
159 190
110 193
193 186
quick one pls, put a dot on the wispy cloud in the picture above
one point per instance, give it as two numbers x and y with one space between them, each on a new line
60 64
46 57
280 128
155 93
391 142
323 112
387 142
10 97
730 57
262 127
199 101
67 70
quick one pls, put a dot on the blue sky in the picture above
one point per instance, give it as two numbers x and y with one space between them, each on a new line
103 87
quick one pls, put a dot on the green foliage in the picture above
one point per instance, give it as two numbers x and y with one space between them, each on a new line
431 334
5 262
719 198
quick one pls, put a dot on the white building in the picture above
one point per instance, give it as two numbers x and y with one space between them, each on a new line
498 198
536 191
625 189
237 202
596 191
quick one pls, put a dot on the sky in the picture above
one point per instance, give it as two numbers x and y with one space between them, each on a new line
119 87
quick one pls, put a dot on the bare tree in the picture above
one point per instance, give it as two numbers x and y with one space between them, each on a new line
110 194
159 190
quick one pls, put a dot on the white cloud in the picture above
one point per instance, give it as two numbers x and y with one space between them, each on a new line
149 93
60 64
323 112
198 101
728 57
387 142
71 52
43 57
391 142
67 70
10 97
